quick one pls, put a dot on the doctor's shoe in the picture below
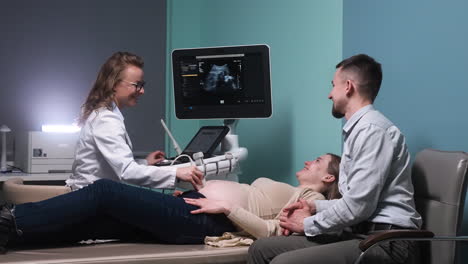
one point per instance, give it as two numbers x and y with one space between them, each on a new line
7 226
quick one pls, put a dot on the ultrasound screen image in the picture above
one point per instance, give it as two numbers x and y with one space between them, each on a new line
221 77
222 82
231 79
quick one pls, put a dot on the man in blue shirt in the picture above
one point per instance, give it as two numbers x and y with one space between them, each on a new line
375 183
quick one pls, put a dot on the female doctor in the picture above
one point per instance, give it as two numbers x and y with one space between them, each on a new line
104 149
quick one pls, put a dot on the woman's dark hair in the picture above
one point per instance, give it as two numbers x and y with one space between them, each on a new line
102 92
334 169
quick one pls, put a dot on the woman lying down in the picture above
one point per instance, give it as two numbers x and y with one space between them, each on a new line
112 210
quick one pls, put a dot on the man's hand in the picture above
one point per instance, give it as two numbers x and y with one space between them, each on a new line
190 174
155 157
292 217
209 206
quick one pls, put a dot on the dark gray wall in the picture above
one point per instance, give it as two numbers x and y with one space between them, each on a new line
51 51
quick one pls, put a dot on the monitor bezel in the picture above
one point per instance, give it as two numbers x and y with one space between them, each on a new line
224 112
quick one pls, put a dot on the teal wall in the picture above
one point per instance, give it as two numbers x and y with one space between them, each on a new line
422 45
183 30
423 48
305 39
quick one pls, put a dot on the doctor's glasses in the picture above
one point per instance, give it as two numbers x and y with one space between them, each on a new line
138 85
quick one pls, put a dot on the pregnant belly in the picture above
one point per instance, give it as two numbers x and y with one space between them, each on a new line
233 192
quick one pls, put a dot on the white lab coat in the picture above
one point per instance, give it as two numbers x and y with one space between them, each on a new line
104 151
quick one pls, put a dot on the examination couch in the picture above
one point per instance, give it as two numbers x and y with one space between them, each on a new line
132 253
109 252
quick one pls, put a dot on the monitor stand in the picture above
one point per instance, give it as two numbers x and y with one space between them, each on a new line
231 140
230 144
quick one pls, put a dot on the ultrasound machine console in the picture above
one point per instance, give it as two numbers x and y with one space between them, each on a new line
227 83
205 141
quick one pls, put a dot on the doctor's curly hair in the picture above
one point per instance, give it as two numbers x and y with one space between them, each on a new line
102 92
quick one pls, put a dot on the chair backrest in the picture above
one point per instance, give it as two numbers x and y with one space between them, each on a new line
14 191
439 179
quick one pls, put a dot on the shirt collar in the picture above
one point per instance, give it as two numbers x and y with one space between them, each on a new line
116 111
356 116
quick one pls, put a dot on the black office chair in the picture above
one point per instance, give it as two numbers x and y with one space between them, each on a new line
440 180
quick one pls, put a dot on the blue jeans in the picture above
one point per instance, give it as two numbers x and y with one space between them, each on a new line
112 210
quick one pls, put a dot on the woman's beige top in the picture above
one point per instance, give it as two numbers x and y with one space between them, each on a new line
258 206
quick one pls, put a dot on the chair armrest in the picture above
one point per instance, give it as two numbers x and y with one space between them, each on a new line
393 234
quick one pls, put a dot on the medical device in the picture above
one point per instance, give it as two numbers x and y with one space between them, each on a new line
199 152
43 152
222 82
204 143
227 83
206 140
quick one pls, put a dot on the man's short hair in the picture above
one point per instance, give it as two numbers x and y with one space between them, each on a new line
369 72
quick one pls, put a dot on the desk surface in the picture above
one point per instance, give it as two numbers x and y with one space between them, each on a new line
35 176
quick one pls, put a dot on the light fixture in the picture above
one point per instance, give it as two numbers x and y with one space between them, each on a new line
61 128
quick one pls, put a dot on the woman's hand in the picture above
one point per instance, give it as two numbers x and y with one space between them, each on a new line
209 206
177 193
292 217
191 174
155 157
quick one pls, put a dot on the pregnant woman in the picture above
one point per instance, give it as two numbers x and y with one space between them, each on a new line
108 209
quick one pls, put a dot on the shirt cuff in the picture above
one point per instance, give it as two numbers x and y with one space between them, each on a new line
310 229
169 173
173 175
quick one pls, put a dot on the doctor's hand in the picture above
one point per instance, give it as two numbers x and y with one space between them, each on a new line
292 217
209 206
155 157
190 174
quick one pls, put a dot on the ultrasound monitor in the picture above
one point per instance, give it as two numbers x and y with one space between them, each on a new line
222 82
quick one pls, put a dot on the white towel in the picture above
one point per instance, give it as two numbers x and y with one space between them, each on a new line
229 239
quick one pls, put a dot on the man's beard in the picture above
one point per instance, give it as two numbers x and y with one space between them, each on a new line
336 113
